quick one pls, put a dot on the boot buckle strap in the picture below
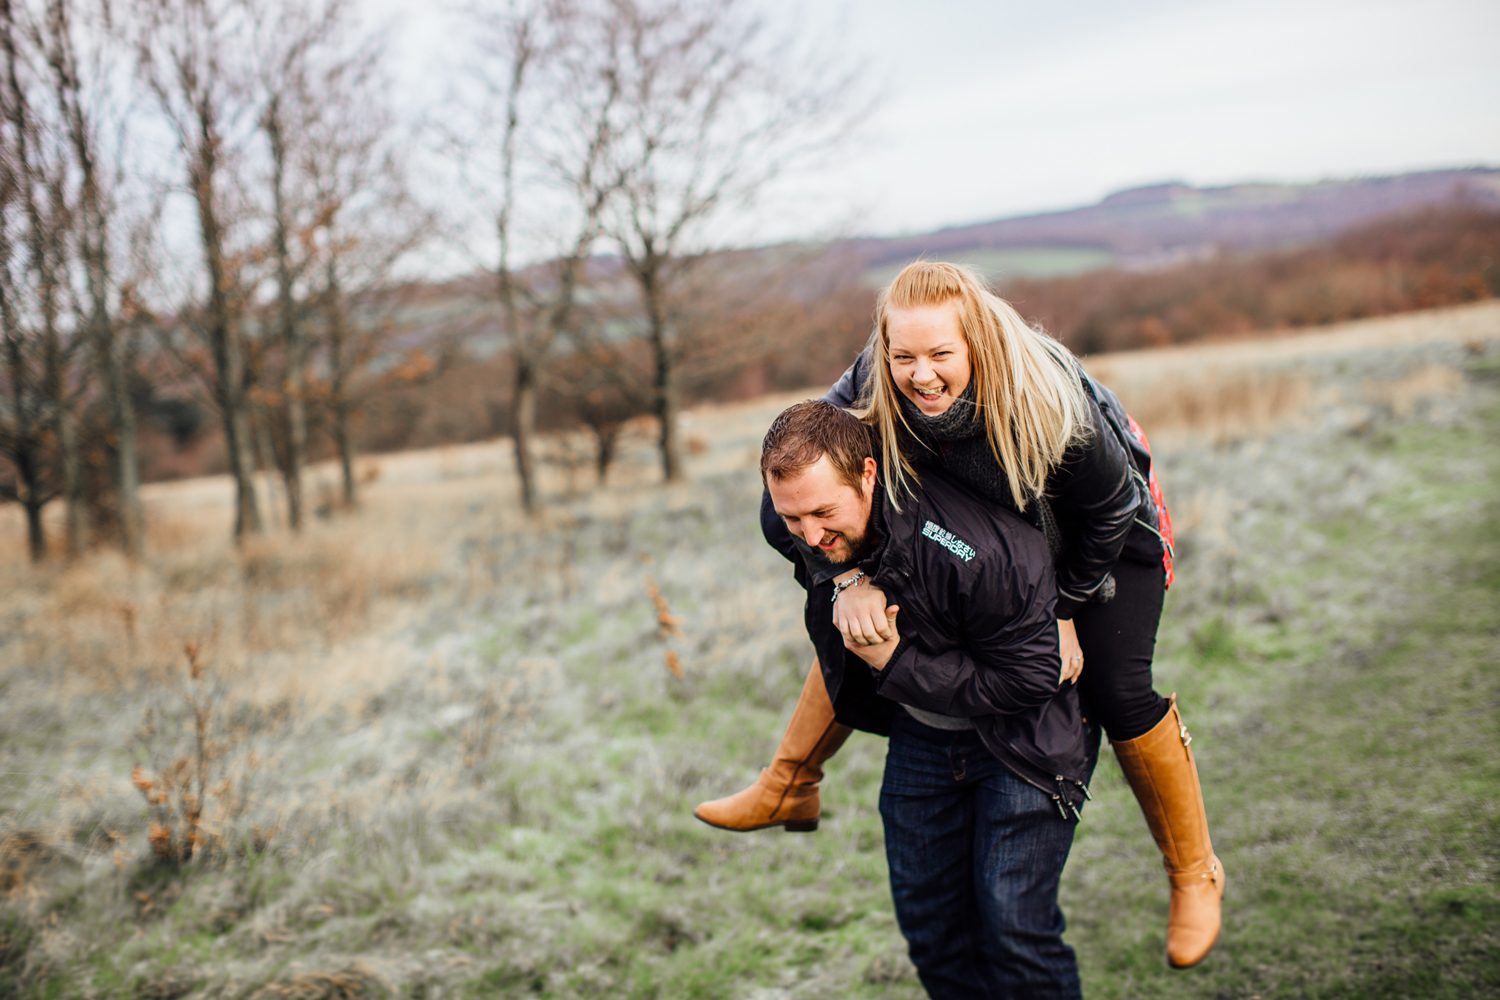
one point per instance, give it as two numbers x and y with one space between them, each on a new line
1183 734
1184 879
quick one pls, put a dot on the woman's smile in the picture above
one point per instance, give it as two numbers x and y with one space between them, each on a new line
929 356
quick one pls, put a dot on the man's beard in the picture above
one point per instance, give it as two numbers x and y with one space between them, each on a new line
857 548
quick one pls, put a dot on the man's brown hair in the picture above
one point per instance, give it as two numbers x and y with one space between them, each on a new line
806 432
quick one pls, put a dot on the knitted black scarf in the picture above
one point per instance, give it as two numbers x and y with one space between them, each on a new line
955 441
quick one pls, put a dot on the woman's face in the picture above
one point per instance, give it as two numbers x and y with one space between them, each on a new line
929 357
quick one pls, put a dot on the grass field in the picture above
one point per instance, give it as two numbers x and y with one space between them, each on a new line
435 751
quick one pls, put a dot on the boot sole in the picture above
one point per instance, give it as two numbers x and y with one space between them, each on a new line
790 825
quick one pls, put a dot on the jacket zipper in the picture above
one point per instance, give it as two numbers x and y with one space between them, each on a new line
1062 804
1158 534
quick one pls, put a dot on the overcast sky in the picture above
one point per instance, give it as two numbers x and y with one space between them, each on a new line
998 108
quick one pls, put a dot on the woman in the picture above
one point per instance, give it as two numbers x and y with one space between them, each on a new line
953 378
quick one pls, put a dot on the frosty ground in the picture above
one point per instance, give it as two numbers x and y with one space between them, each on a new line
447 752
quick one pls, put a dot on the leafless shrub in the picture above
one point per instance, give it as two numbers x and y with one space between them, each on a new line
179 792
668 624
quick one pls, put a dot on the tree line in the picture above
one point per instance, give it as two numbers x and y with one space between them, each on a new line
1437 256
809 315
222 203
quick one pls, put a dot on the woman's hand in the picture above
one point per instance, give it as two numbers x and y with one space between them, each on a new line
878 654
860 614
1072 653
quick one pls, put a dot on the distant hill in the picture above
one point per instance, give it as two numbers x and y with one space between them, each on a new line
1164 224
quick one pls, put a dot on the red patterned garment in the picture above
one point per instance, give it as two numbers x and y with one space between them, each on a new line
1165 518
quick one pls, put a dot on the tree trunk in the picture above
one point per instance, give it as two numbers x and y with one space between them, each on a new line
664 381
267 455
523 428
77 517
343 439
223 336
291 332
122 359
24 447
94 245
608 437
110 368
36 538
242 466
127 469
666 414
31 494
338 389
50 259
296 418
21 437
51 387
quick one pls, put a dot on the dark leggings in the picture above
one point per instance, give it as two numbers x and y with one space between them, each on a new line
1118 639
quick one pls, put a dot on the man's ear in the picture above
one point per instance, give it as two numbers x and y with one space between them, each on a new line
867 476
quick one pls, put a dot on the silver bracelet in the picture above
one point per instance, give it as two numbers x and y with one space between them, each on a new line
853 581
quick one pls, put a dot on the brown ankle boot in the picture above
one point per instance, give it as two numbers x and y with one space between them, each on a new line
786 793
1160 768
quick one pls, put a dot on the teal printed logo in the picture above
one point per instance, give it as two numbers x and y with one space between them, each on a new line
949 541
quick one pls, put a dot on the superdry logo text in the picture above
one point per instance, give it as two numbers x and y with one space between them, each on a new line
949 541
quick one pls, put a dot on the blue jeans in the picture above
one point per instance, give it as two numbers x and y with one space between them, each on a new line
975 855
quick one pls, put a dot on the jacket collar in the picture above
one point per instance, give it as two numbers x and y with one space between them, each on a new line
893 560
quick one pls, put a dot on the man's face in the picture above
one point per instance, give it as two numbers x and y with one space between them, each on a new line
823 510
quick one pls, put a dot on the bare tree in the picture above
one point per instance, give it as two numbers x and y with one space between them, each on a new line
599 382
50 229
26 406
716 108
42 434
185 50
363 221
737 316
546 70
79 72
293 59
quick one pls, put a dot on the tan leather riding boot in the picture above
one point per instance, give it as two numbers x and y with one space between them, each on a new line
786 793
1159 766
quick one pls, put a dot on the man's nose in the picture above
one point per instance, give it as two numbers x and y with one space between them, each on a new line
812 534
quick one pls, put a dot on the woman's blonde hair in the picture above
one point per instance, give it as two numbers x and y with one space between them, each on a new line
1026 384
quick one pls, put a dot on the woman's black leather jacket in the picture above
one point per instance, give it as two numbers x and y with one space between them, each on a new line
1093 497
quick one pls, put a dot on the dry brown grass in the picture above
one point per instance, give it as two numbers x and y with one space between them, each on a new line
412 673
355 981
1234 391
313 612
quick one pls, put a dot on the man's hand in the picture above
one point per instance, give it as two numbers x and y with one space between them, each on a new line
1072 652
878 654
859 614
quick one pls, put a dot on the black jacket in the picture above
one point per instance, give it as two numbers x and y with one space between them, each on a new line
978 634
1095 498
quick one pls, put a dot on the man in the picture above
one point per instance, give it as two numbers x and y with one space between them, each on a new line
988 759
